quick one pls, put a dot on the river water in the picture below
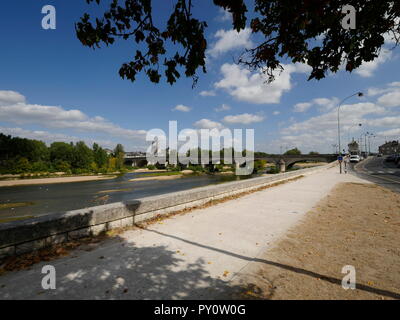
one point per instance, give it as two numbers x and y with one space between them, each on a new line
49 198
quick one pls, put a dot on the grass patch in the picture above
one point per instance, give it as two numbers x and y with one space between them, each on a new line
15 205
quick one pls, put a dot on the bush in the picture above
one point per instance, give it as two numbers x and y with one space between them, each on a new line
274 170
40 166
79 171
259 165
195 168
93 167
61 165
22 165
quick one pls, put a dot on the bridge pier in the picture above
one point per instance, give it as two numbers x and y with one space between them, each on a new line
237 166
282 165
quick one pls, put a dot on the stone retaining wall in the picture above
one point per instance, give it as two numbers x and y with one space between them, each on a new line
25 236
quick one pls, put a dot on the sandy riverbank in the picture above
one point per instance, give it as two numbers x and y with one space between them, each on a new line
23 182
177 176
148 170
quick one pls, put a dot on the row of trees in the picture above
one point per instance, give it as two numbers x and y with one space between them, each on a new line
21 155
296 152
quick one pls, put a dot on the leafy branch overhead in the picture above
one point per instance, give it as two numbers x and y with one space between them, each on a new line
305 31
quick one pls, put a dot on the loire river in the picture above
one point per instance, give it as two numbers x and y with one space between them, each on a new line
49 198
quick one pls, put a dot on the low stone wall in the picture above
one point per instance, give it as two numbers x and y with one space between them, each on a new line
25 236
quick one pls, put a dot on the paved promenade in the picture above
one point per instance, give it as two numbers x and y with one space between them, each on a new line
202 254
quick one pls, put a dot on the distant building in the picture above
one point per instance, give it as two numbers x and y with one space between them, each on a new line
390 147
135 154
109 151
354 147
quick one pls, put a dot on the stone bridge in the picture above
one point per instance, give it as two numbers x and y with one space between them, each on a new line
290 160
135 160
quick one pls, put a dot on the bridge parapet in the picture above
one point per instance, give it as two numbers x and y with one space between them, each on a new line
290 160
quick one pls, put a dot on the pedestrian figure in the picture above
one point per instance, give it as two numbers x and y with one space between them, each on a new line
346 163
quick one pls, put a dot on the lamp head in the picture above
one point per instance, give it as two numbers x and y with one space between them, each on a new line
360 94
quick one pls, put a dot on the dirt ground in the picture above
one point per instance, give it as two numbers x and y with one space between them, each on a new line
358 225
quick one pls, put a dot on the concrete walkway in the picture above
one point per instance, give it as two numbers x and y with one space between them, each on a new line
199 255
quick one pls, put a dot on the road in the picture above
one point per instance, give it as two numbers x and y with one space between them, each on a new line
378 171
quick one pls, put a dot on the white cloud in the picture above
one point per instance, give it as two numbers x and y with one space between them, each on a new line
229 40
390 37
371 92
250 87
50 137
60 118
390 133
391 87
245 118
350 114
391 99
208 124
10 97
182 108
224 15
367 69
323 104
393 121
223 107
32 113
302 107
320 132
275 113
210 93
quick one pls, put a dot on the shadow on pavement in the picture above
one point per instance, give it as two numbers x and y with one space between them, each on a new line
286 267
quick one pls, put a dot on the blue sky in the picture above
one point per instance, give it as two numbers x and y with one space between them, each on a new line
52 88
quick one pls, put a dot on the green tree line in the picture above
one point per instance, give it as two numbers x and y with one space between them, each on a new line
21 155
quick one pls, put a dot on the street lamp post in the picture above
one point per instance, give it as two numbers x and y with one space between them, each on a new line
360 94
371 135
362 144
348 131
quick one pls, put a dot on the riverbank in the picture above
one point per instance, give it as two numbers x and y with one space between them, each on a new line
25 182
158 177
170 175
145 170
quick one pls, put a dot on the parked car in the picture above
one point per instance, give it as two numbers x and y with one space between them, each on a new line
355 158
397 159
379 155
390 158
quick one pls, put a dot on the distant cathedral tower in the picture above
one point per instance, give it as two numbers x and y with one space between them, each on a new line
353 147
